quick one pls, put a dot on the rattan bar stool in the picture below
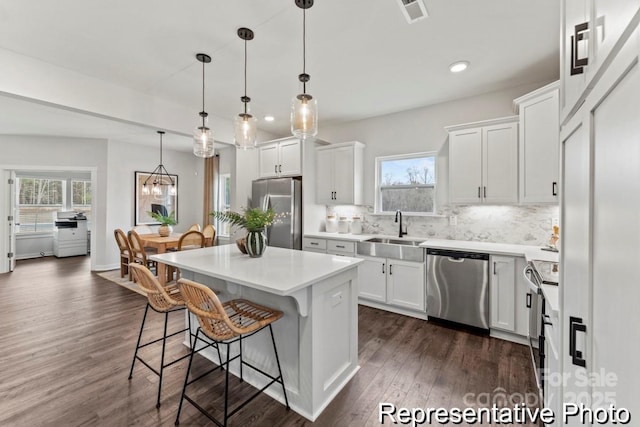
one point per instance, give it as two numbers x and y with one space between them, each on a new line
162 300
226 323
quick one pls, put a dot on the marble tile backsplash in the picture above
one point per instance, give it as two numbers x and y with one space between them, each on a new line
525 225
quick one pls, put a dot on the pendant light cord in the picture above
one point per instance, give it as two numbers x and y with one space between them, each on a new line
304 48
245 76
203 116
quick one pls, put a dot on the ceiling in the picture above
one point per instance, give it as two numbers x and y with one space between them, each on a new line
364 59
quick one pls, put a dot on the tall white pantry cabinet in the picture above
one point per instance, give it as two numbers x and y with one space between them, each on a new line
600 208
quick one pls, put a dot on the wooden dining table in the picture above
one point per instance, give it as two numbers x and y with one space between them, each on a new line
154 240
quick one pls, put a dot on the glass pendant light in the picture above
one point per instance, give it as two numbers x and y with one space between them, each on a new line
304 107
202 137
245 125
159 181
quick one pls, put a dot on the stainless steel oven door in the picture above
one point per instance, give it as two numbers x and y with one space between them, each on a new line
535 304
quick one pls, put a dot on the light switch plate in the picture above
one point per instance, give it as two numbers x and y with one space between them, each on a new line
453 220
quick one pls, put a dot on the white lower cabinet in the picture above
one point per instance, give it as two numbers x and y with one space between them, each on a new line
372 279
394 282
329 246
508 295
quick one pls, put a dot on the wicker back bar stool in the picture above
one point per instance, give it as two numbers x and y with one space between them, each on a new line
225 323
160 299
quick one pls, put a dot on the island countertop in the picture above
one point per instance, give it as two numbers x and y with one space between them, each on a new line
278 271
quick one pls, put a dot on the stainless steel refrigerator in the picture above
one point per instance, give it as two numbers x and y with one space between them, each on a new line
284 196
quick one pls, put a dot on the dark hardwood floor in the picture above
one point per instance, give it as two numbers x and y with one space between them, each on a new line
67 337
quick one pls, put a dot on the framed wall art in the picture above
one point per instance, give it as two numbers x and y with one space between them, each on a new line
161 200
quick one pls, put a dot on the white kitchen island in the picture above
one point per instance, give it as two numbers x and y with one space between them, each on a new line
317 338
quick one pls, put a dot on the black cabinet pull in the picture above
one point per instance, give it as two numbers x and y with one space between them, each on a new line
390 269
275 168
494 268
314 243
340 246
383 268
546 320
485 192
479 192
575 326
280 168
528 299
554 188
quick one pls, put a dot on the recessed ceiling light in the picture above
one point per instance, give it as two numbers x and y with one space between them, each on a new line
456 67
269 118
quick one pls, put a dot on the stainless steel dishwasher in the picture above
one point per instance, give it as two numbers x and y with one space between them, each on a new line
458 287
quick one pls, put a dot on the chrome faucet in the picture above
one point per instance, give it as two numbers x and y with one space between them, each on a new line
400 232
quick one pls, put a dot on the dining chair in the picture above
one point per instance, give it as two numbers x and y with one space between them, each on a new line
209 234
195 227
125 252
138 252
190 240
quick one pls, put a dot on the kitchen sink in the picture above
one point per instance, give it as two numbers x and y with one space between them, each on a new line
394 241
383 247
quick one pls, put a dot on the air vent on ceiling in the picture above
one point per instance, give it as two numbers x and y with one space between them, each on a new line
413 10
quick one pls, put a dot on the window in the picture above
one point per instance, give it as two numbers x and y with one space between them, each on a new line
38 201
81 197
224 203
406 183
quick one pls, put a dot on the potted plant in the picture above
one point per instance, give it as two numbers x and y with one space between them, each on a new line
255 221
166 221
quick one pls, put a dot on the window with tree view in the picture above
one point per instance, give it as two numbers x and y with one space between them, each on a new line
406 183
38 201
81 197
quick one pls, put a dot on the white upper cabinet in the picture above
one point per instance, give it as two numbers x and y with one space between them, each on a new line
483 162
539 145
280 158
573 55
591 30
339 172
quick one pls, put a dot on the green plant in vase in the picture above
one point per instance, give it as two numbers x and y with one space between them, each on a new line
255 221
166 221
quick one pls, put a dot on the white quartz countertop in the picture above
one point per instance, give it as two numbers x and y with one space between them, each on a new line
278 271
529 252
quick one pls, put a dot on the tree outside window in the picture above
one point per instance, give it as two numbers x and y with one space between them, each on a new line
38 201
406 183
81 197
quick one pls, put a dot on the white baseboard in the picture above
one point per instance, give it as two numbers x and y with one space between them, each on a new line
33 255
106 267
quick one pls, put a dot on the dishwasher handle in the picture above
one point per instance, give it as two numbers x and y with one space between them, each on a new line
458 254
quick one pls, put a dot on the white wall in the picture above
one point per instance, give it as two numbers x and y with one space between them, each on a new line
421 129
114 164
123 160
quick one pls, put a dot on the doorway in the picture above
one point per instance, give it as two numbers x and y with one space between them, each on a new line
34 197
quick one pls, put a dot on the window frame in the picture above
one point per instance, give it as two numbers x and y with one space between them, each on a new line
222 205
58 206
378 187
